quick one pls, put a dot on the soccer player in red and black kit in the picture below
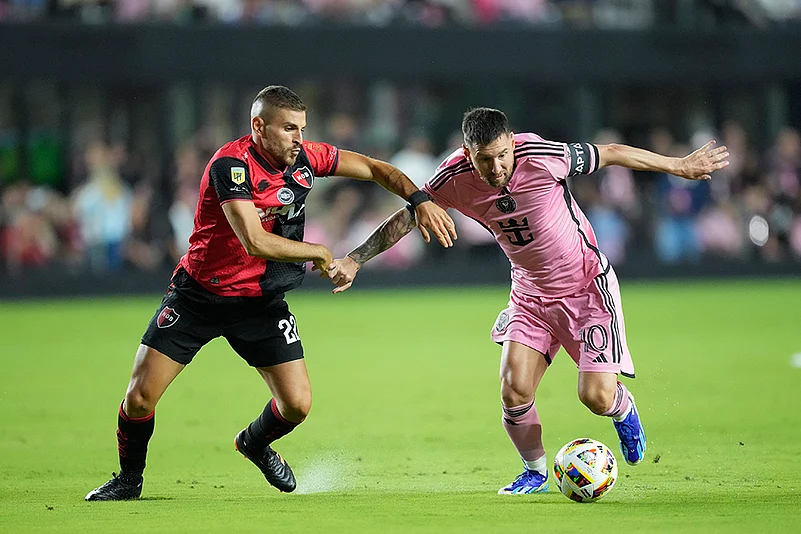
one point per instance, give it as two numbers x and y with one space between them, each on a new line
245 252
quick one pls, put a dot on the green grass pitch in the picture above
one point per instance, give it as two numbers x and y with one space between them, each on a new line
405 432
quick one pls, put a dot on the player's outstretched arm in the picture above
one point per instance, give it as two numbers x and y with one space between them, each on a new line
389 232
698 165
244 219
431 218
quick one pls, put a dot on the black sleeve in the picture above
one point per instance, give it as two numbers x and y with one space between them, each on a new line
231 179
583 158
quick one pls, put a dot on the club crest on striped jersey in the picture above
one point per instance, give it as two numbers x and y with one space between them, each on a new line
167 317
304 177
502 322
285 196
506 204
238 175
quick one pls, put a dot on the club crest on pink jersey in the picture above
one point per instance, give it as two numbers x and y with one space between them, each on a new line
167 318
304 177
502 322
506 204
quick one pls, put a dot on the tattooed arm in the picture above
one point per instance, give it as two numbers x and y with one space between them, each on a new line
387 234
431 218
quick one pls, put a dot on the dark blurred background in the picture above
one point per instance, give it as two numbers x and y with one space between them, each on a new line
110 110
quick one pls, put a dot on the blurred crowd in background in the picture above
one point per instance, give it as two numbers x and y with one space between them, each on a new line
428 13
87 182
98 176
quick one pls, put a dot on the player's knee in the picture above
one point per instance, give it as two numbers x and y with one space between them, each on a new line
138 403
296 409
515 393
597 400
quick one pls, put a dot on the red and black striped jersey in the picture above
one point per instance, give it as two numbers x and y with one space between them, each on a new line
216 258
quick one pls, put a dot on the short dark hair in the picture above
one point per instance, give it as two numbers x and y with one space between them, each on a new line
276 97
482 126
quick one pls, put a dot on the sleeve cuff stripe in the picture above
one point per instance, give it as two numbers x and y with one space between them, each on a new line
235 199
596 157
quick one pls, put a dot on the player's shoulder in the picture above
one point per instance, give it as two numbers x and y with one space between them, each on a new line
454 165
531 146
238 149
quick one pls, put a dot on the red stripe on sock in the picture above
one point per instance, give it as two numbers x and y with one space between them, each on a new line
277 414
130 419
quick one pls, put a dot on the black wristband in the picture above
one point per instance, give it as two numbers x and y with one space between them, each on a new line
418 197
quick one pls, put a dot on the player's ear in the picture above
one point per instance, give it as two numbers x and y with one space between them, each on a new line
466 151
257 123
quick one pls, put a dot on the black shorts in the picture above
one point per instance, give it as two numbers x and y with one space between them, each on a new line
261 330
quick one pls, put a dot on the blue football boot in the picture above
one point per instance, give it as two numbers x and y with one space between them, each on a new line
526 482
632 435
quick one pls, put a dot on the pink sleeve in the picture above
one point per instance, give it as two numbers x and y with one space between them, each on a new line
323 157
578 158
440 186
440 195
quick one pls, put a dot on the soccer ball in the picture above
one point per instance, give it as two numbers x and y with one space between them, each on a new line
585 470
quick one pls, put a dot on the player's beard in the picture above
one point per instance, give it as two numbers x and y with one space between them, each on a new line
288 157
291 158
494 181
282 154
291 155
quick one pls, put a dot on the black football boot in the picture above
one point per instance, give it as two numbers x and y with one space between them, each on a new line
275 469
119 488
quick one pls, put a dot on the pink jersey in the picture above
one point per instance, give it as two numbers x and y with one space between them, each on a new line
534 218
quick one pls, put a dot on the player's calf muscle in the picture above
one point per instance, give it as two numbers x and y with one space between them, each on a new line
598 400
597 404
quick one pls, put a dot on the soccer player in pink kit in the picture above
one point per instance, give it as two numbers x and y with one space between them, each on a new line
564 291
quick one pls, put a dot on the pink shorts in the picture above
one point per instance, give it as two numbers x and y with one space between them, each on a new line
588 324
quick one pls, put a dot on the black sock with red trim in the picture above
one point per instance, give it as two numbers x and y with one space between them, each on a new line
133 434
269 426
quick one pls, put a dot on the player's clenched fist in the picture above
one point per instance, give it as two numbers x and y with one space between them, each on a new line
342 273
323 260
